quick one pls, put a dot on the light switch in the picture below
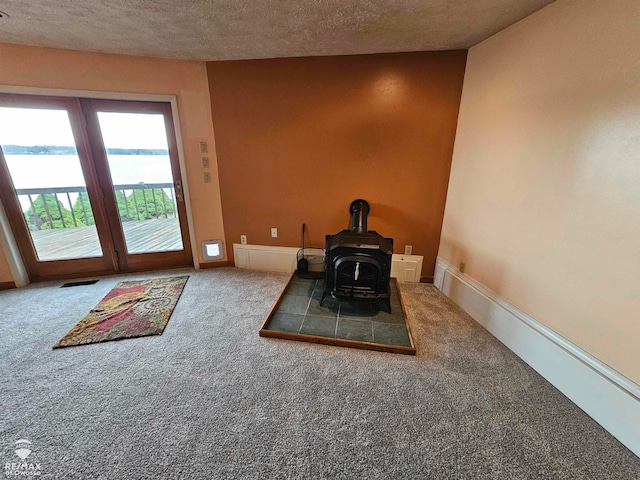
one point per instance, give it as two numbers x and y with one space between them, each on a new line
203 147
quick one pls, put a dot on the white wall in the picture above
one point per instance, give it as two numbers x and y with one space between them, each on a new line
544 197
11 267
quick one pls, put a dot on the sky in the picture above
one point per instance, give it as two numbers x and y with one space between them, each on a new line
31 126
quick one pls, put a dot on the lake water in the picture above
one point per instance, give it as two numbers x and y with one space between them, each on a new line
50 171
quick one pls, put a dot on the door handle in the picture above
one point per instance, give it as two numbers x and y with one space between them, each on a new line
179 193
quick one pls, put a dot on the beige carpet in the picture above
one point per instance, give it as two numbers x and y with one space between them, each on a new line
211 399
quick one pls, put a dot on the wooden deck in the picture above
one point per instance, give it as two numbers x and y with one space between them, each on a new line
142 237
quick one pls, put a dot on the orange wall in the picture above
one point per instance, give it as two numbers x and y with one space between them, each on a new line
25 66
298 139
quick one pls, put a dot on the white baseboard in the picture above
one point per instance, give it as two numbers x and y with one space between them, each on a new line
406 268
608 397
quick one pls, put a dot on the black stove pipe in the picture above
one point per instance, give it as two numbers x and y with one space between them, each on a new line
359 210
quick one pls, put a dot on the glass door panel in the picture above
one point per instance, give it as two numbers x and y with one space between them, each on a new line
140 166
41 157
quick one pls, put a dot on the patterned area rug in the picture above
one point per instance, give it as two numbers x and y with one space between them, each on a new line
131 309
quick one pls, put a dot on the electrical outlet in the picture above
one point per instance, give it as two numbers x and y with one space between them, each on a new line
243 239
462 267
206 177
274 232
205 162
203 147
408 249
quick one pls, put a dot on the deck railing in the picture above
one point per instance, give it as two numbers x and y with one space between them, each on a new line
46 210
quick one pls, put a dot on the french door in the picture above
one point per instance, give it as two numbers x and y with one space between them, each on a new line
92 186
135 154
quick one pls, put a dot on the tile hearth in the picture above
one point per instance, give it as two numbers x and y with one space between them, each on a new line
299 316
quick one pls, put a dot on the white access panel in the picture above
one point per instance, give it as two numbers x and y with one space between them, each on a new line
406 268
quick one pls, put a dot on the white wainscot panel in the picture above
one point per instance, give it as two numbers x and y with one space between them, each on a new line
406 268
608 397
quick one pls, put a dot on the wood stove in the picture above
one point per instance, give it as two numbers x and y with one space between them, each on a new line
358 261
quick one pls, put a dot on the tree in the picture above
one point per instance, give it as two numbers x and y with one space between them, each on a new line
143 202
38 217
126 214
138 204
82 205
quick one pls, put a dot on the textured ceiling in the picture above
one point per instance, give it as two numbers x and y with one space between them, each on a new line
241 29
